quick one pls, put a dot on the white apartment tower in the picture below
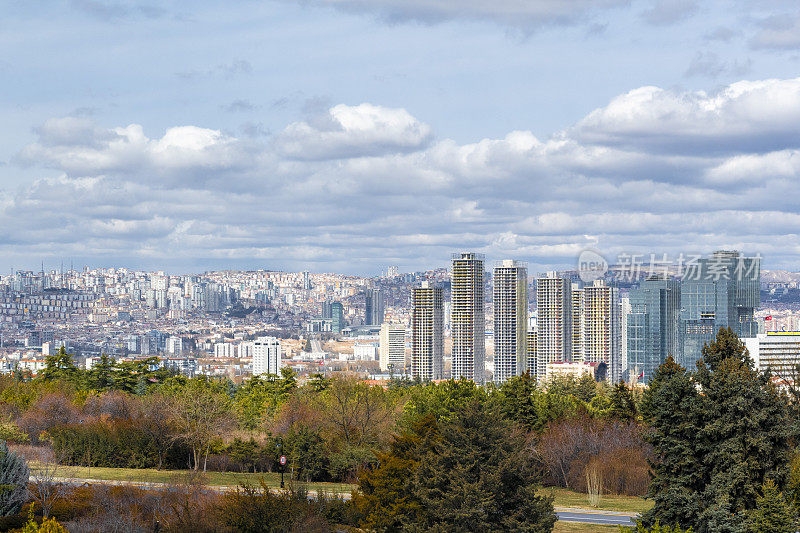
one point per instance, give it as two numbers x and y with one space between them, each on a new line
467 320
393 347
597 327
427 322
510 297
266 356
554 321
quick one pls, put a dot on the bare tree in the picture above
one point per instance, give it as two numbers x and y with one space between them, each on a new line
47 484
200 412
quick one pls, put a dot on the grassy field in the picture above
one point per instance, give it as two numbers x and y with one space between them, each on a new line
574 527
231 479
628 504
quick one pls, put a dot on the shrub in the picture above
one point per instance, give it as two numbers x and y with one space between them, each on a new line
13 481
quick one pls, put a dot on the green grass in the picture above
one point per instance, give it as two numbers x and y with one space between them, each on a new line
628 504
575 527
230 479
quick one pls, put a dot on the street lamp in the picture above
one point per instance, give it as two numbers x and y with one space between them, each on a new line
282 458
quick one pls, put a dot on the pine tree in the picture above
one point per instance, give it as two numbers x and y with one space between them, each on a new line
746 435
773 514
622 404
13 481
669 407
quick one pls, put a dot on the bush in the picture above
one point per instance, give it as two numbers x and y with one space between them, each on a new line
13 481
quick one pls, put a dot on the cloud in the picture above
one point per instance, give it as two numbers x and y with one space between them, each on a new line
666 12
523 14
239 106
747 115
227 71
111 10
778 32
655 170
80 147
353 131
710 65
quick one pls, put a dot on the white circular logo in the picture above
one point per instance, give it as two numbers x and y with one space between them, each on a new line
591 266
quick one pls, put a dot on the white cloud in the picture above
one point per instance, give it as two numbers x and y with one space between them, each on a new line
778 32
353 131
747 115
524 14
654 170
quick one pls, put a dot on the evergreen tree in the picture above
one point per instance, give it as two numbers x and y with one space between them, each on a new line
773 514
13 481
622 403
60 367
669 407
517 400
747 435
101 376
479 475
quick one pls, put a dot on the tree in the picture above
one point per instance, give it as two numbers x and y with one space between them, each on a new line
60 367
517 397
101 376
479 475
715 446
622 404
773 514
200 412
13 481
669 408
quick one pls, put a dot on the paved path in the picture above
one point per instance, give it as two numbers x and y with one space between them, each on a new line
595 516
566 514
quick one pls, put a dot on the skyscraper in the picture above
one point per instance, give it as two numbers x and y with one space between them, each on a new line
392 348
373 308
510 296
266 356
467 316
337 317
554 311
426 329
722 290
598 330
653 325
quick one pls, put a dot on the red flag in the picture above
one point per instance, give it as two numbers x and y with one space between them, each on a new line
642 374
769 317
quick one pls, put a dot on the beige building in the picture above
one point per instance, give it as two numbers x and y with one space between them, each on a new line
510 301
427 321
467 317
554 322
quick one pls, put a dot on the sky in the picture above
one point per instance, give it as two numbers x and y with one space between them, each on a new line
349 135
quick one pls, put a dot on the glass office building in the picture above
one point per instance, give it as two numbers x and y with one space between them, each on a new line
653 325
718 291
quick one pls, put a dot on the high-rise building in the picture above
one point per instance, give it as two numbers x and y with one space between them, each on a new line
722 290
510 297
533 331
467 317
373 309
427 321
776 351
598 327
392 351
653 325
554 321
266 356
337 317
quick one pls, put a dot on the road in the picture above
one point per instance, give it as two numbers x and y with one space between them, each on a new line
566 514
593 516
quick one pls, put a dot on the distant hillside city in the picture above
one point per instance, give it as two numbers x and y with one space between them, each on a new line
484 322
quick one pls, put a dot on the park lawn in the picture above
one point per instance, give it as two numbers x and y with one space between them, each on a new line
575 527
228 479
608 502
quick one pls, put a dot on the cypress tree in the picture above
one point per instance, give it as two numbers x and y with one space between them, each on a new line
13 481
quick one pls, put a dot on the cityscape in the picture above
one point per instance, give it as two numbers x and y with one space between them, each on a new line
475 321
400 266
